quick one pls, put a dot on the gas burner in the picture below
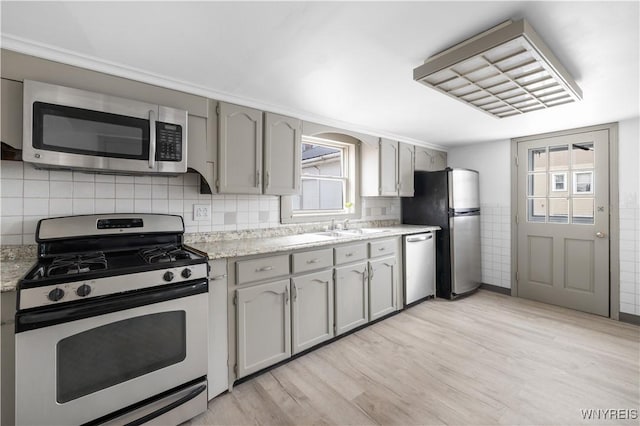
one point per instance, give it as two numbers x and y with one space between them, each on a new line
162 254
77 264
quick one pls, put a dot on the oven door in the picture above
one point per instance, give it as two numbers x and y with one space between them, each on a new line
77 364
72 128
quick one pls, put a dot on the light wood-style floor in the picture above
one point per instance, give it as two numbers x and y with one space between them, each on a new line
486 359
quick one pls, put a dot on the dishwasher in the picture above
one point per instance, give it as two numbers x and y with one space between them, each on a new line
419 267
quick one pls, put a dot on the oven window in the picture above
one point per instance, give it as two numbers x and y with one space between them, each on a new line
114 353
81 131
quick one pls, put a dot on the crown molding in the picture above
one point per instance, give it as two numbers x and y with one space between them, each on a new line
93 63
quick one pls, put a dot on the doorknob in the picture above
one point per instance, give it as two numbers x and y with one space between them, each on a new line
600 234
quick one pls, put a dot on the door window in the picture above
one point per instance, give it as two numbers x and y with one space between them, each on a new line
560 184
114 353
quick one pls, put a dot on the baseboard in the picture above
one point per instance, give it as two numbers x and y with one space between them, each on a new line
496 289
630 318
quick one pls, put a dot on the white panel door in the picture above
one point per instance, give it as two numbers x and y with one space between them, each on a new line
563 211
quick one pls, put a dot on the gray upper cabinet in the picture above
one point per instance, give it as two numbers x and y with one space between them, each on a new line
239 149
387 169
312 309
282 150
379 169
201 155
264 326
429 160
12 113
405 169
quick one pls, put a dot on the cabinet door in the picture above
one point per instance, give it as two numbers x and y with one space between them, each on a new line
352 297
198 155
405 169
439 160
11 113
282 139
240 149
217 377
264 326
312 309
388 167
383 279
424 159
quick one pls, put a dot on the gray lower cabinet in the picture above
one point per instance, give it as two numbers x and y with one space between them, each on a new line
217 376
352 297
383 281
263 326
312 309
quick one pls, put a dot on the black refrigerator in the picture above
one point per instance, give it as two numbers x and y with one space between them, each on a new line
450 199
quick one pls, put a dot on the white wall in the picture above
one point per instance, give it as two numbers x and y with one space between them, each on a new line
493 162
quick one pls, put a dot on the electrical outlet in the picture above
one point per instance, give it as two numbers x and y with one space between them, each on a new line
201 212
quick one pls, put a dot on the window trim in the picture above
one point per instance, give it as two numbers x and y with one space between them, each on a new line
351 168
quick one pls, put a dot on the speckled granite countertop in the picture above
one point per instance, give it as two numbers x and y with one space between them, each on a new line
250 246
15 261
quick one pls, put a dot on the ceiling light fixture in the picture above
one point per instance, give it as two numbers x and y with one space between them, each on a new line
505 71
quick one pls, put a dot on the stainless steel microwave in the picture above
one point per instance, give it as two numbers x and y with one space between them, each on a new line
77 129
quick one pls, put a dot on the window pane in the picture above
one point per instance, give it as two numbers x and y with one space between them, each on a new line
319 194
538 184
558 210
321 160
559 157
583 182
583 155
582 211
536 209
114 353
538 160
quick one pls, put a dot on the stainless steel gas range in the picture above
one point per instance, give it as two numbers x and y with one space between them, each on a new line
111 323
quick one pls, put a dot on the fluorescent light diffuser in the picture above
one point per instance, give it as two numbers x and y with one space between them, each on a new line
504 71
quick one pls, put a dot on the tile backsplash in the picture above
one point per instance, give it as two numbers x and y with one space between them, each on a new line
495 248
28 195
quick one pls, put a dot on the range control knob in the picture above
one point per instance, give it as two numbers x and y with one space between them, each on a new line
83 290
56 294
186 273
168 276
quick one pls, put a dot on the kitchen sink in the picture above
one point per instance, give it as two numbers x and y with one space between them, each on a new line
352 232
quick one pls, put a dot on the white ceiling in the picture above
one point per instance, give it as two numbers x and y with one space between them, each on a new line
340 63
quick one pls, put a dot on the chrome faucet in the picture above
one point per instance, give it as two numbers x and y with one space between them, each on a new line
333 225
345 224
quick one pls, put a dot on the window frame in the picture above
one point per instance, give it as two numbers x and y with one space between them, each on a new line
350 168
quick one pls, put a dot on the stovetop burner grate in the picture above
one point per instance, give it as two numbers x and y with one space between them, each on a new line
77 264
163 254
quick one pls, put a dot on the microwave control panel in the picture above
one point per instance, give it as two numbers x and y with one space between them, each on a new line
168 142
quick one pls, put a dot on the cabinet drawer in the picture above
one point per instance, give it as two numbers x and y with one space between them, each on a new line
350 253
311 260
262 269
382 248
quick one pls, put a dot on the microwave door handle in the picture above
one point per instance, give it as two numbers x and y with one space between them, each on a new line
152 139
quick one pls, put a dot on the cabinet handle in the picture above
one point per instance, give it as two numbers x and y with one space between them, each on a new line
381 249
295 292
257 177
264 269
313 261
348 254
267 180
371 270
218 277
286 294
152 139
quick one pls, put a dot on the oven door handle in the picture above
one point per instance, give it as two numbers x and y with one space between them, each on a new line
188 397
31 320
